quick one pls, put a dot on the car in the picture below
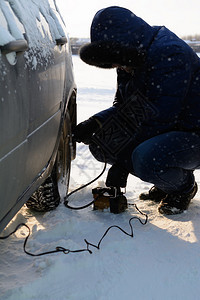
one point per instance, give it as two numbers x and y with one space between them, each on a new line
37 107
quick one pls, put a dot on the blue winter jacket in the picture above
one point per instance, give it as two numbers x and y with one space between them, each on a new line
169 79
161 95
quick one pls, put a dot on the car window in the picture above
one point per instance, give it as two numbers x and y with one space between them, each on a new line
54 5
3 22
19 20
11 27
39 23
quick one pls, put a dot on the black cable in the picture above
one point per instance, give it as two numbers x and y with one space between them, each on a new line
67 251
80 188
88 244
58 249
115 226
85 185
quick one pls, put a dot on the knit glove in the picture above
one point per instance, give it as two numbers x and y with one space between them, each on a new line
84 131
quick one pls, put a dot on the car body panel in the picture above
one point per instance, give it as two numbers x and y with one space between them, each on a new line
36 85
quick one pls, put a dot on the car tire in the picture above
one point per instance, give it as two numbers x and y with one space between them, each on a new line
64 156
47 197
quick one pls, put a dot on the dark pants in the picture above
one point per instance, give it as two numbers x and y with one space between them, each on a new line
168 160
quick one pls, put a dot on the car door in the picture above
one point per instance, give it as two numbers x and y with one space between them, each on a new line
32 69
47 64
14 107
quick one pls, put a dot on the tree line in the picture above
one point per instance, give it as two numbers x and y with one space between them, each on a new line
192 40
195 37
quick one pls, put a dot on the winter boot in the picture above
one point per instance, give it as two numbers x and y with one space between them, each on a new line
176 203
154 194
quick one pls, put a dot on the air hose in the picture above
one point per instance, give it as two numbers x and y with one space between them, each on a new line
66 201
88 244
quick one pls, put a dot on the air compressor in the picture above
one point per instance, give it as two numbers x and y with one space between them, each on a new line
109 198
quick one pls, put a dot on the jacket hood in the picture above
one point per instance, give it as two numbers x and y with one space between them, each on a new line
116 30
120 25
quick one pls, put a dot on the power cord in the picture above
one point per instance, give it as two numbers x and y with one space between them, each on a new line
88 244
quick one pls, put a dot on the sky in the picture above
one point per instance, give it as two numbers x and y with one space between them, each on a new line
180 16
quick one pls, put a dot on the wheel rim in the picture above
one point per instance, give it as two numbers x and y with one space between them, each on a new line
63 160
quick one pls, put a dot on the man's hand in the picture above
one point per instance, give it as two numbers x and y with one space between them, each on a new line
84 131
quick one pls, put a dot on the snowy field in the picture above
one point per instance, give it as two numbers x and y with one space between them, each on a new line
161 261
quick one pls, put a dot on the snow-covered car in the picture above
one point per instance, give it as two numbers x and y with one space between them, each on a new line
37 106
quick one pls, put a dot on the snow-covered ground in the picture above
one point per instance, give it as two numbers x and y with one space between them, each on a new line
161 261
